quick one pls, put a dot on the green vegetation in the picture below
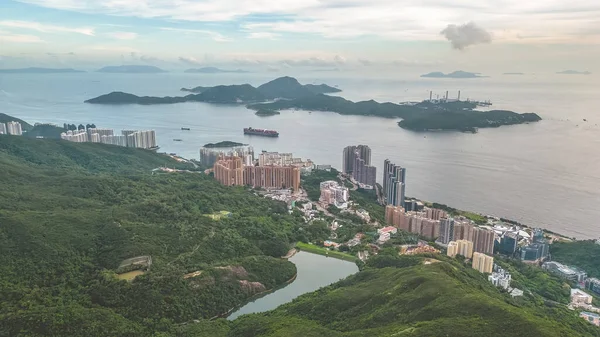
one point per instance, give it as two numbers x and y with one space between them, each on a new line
423 116
45 131
267 112
367 199
477 218
398 296
307 247
4 118
71 212
582 254
311 182
226 143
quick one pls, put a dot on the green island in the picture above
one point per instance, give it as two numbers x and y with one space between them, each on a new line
95 242
282 87
225 143
266 112
423 116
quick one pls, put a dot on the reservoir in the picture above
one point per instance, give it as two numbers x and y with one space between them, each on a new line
314 272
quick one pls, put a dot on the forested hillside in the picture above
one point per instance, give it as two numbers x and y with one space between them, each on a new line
70 213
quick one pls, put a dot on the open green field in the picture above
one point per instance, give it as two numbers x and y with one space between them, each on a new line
307 247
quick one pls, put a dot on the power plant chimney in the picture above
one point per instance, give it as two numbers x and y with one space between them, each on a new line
459 95
430 94
446 95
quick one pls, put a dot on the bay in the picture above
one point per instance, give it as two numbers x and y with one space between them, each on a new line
543 174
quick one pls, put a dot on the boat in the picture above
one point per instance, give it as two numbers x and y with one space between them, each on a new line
261 132
177 140
186 129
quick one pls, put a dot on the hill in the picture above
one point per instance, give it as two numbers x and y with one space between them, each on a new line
214 70
35 70
45 131
400 296
4 118
132 69
71 212
284 87
581 254
321 88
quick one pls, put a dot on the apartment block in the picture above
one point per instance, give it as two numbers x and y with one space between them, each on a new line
483 240
483 263
229 171
14 128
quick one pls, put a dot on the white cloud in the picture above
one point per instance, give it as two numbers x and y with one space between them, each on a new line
46 28
213 35
263 35
190 60
123 35
19 38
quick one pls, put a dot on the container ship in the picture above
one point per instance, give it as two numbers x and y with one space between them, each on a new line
261 132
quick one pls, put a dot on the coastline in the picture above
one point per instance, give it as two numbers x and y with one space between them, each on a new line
310 248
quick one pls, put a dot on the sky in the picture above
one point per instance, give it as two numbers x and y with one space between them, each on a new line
317 35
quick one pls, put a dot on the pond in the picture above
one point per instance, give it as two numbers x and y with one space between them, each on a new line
314 272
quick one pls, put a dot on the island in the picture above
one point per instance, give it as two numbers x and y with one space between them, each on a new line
574 72
215 70
131 69
34 70
423 116
513 74
455 74
279 88
225 143
267 112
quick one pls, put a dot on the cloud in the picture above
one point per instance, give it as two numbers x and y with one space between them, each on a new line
213 35
405 62
466 35
314 61
123 35
190 61
45 28
19 38
365 62
263 35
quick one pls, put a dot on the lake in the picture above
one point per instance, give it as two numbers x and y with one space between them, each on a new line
314 272
543 174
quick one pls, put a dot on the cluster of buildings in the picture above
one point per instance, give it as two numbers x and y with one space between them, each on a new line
232 170
420 248
514 241
11 128
208 157
332 193
129 138
385 234
357 164
500 277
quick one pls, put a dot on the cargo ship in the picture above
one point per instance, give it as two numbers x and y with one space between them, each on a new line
261 132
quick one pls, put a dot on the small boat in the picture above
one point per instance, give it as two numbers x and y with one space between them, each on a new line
186 129
177 140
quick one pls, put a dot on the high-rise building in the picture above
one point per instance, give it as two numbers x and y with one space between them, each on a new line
463 231
94 138
14 128
3 129
508 243
101 132
394 183
483 240
465 248
357 161
446 230
229 171
452 250
483 263
334 194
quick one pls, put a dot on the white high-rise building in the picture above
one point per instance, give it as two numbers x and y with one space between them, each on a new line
95 138
2 129
14 128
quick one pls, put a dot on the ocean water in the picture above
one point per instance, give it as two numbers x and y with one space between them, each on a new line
543 174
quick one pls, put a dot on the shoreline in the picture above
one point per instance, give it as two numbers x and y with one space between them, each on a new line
255 297
313 249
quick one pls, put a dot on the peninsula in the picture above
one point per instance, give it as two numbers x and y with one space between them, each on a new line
35 70
574 72
226 143
455 74
424 116
131 69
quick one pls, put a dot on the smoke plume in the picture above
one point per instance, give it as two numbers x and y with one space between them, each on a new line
462 36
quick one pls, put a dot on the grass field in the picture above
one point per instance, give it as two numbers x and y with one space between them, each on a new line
324 251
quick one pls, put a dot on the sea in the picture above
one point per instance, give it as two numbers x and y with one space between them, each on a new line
544 174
